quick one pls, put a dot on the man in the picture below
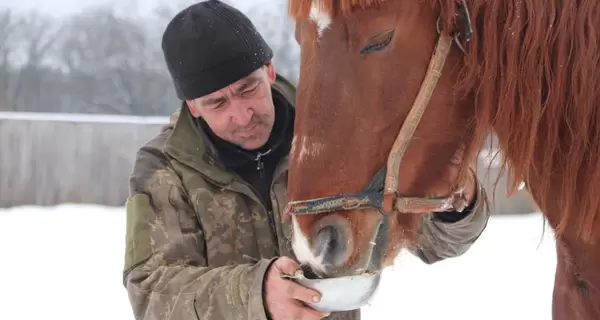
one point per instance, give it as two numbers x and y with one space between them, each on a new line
205 237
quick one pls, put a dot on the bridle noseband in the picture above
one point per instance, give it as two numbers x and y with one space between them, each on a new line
382 192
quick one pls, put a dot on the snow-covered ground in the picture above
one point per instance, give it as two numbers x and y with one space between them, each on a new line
65 263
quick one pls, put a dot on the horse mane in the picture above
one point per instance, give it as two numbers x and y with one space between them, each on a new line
531 67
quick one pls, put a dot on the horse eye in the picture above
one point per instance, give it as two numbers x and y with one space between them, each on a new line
378 42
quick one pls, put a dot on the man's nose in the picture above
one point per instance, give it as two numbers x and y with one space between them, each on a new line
241 113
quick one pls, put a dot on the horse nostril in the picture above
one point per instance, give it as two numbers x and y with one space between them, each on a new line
330 245
327 238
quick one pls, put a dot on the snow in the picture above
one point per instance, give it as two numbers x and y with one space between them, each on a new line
82 118
65 263
62 263
507 274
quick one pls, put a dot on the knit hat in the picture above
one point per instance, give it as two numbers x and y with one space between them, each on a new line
210 45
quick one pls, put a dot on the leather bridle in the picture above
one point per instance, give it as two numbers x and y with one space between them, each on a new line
382 191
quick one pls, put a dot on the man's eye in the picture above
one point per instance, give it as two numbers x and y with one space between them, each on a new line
216 105
250 90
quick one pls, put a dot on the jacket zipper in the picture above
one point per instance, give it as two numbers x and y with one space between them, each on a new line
260 166
270 214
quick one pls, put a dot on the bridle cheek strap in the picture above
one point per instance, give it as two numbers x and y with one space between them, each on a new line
382 192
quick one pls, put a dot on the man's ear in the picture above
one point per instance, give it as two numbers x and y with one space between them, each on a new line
192 107
271 72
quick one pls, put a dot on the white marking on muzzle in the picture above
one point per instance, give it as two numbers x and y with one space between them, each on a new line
302 249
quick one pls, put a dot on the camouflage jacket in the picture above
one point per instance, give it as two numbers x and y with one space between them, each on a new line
191 227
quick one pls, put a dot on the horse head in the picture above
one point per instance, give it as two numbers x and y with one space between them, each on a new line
381 136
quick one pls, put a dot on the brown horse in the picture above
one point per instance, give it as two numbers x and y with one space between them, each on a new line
405 85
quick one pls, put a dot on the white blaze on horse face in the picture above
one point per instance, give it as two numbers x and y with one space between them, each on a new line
294 143
300 243
322 19
309 147
302 249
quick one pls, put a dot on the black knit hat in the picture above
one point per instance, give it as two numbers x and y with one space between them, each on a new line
210 45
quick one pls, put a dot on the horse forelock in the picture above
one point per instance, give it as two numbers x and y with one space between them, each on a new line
322 11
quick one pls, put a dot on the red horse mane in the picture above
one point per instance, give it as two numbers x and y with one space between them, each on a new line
531 67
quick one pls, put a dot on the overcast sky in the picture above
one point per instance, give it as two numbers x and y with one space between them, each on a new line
61 8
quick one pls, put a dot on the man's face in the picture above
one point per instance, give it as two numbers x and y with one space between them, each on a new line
241 113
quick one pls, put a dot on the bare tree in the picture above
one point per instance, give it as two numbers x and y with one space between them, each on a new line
100 61
8 25
34 36
111 61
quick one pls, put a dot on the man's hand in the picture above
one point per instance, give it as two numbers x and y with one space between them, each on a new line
285 298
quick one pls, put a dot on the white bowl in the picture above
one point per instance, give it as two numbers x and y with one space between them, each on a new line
343 293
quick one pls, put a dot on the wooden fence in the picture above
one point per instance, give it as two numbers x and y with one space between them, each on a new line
48 159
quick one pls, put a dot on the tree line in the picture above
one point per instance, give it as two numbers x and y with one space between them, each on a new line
106 62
